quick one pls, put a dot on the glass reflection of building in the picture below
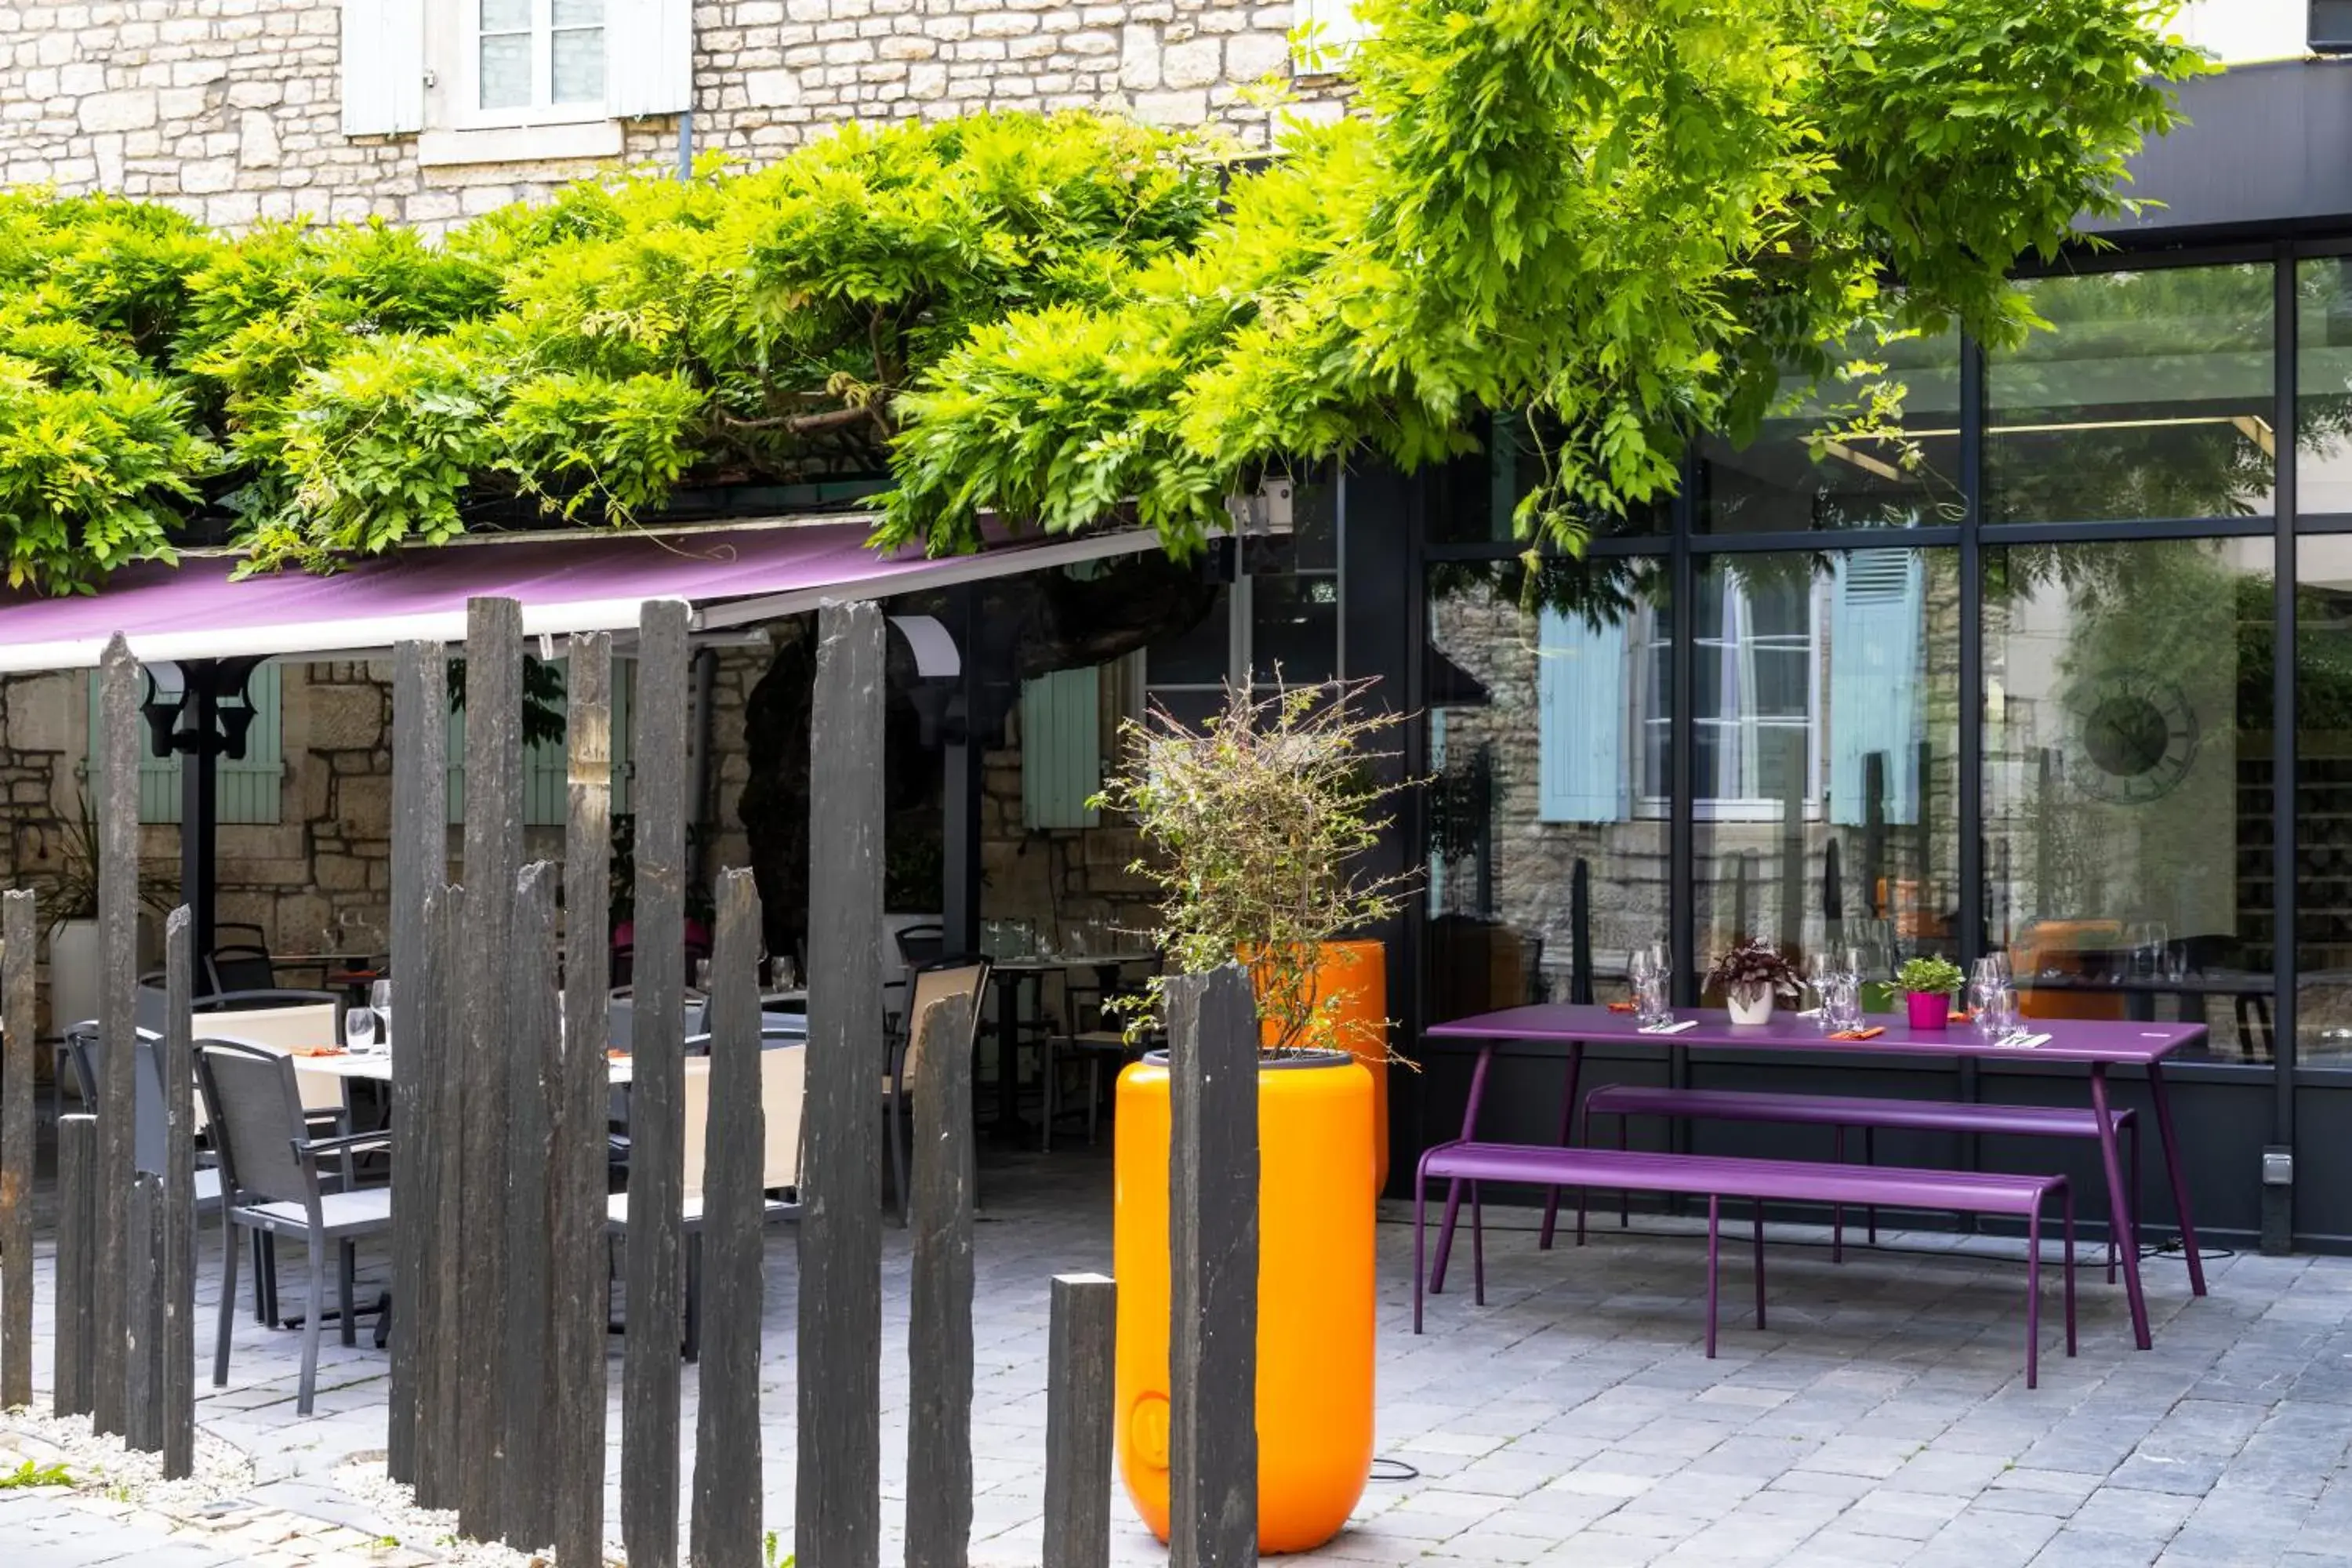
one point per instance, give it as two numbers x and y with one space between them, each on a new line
1995 675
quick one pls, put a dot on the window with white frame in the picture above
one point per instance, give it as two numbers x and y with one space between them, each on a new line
532 57
1754 685
513 80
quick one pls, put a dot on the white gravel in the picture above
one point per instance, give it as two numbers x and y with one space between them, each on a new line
106 1465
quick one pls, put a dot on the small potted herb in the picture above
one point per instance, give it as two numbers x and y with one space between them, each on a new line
1929 984
1749 976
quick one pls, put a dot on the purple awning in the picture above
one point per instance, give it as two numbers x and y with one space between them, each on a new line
578 583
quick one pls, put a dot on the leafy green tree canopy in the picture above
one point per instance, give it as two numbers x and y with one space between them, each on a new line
1624 216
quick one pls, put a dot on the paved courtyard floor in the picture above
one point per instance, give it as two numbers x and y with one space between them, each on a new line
1882 1419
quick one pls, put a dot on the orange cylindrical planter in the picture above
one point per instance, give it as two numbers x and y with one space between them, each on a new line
1314 1297
1353 979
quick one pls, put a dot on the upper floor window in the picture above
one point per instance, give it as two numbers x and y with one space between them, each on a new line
535 55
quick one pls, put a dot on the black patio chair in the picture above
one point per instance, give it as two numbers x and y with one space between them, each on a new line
964 978
270 1175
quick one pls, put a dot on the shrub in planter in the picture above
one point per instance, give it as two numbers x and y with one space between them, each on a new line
1255 825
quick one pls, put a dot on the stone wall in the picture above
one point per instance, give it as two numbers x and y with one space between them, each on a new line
319 879
231 109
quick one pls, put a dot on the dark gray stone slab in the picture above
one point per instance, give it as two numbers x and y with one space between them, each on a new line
577 1259
494 655
420 852
938 1334
440 1008
528 1367
1081 1402
649 1367
1213 1234
121 727
142 1316
838 1506
177 1386
76 1262
727 1512
19 938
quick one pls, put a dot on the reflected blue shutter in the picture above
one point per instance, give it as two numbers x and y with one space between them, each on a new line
1061 748
1580 684
249 786
456 764
1875 680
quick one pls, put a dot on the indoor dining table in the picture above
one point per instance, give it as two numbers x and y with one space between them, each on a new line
2095 1044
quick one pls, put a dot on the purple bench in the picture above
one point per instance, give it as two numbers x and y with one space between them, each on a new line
1760 1182
1839 1112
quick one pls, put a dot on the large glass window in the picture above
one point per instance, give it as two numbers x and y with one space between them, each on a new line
1825 686
1811 467
2152 398
2323 370
1541 692
1476 499
2127 783
2323 801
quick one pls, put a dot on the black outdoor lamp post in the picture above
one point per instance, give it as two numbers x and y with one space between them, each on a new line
202 710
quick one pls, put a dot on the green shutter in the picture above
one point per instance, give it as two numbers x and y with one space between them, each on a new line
546 773
250 786
1061 748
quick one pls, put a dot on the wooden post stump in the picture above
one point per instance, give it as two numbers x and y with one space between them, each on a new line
578 1279
177 1386
1081 1404
726 1512
19 926
121 729
525 1476
77 1263
649 1367
838 1501
420 854
1212 1237
939 1335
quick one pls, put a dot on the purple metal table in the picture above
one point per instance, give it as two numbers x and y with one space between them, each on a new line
2096 1044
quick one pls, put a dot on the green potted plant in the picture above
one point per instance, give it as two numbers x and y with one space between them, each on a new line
1929 984
1254 826
1750 976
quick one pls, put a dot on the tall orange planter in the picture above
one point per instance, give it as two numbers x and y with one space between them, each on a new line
1314 1297
1356 973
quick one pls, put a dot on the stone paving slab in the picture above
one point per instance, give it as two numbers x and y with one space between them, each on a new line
1574 1419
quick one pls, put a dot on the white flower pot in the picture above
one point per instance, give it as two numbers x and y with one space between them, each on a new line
1754 1008
76 966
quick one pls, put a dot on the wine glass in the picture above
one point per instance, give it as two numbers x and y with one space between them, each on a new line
380 1003
358 1031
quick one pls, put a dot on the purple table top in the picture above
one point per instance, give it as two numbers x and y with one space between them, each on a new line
2114 1043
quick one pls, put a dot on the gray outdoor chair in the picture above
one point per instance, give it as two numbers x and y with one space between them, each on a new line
269 1172
784 1071
967 980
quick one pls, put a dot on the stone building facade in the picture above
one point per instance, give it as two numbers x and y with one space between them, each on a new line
243 110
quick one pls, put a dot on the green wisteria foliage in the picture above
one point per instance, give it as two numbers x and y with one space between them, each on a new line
1624 217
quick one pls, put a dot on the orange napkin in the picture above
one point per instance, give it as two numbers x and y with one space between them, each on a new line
1964 1016
617 1056
319 1051
1870 1033
1623 1007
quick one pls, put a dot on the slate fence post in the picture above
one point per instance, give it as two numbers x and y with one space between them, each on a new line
18 940
1213 1232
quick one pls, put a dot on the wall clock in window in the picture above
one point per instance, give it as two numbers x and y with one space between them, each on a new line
2138 733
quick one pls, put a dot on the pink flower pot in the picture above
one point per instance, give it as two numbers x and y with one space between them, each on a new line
1930 1009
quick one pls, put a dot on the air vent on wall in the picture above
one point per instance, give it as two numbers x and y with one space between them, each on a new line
2331 27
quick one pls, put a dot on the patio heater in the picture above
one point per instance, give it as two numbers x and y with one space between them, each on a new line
201 710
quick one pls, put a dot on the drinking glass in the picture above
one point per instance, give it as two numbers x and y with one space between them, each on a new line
359 1030
2003 1007
380 1003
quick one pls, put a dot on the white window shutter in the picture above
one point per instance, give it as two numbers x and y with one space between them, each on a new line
648 57
383 66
